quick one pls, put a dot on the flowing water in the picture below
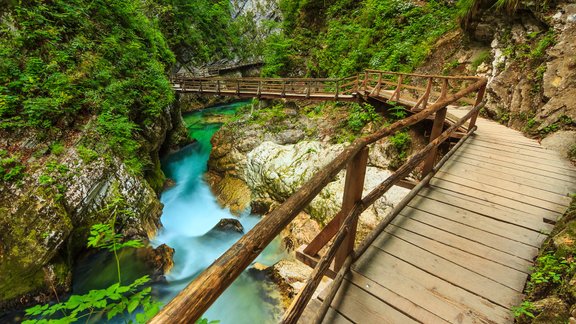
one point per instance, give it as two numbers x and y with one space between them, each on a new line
191 210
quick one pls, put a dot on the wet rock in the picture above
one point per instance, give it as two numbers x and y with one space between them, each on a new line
228 225
159 260
169 183
551 310
260 206
232 193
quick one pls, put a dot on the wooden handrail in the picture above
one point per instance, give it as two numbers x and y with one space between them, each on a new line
296 308
388 219
194 300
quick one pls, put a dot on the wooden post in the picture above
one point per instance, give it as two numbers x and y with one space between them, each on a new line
479 98
364 84
237 87
356 83
353 187
201 86
376 89
436 131
259 89
427 93
396 93
307 84
283 89
218 87
337 89
444 90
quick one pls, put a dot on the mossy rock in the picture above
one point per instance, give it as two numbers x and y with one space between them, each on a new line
35 229
551 310
565 240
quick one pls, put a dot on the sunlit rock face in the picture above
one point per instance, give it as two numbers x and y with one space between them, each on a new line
276 171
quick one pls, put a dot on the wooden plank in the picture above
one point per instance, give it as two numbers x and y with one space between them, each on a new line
361 307
333 317
511 186
520 167
470 255
497 199
441 297
489 188
406 306
553 163
539 154
466 244
478 221
440 193
528 145
521 174
449 271
486 209
519 142
520 255
454 166
309 314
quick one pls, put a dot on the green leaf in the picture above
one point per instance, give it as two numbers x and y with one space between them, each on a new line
133 305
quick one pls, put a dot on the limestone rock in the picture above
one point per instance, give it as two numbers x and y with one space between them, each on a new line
276 171
232 193
561 141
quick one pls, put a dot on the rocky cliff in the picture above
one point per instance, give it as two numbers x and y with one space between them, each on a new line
529 58
46 212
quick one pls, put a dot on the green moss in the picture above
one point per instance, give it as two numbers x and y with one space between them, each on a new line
480 58
155 176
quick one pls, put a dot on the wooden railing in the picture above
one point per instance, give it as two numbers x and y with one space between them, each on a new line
409 89
194 300
303 88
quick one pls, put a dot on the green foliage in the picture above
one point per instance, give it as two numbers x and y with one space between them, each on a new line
524 309
562 121
482 57
271 117
550 269
11 168
66 58
360 115
87 155
110 302
540 49
278 54
102 236
206 321
342 37
401 142
396 112
191 27
57 148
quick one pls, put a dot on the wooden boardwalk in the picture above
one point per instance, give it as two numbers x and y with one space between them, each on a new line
461 251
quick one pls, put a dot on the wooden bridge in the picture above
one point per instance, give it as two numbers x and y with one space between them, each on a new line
457 249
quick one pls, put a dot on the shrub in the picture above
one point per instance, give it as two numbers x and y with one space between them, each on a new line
360 115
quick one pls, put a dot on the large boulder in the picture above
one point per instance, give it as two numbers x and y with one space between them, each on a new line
276 171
